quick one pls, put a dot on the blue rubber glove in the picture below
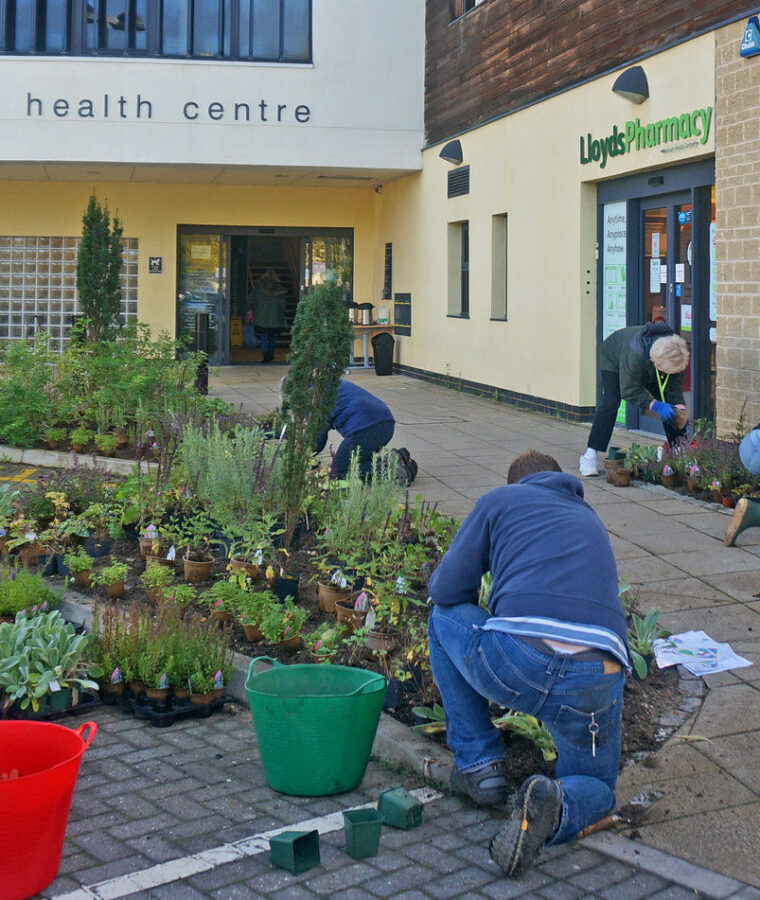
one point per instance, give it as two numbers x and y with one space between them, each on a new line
664 410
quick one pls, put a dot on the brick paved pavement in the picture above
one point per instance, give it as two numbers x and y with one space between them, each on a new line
147 796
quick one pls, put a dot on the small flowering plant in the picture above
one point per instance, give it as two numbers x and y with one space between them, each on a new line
325 641
283 621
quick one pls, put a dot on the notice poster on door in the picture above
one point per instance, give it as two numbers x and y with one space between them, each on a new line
713 299
613 268
614 275
654 275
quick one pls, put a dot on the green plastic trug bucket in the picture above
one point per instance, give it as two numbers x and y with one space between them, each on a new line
315 725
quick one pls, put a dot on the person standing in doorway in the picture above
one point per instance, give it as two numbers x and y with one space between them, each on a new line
267 302
644 365
553 644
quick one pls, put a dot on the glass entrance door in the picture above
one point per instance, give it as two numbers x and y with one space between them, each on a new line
201 297
666 277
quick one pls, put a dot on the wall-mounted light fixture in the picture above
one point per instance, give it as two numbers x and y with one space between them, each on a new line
632 84
452 152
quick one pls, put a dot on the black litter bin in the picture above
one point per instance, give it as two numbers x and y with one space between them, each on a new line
382 351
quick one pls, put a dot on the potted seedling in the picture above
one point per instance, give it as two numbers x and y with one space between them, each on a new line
282 625
325 642
224 597
252 606
106 443
102 523
332 587
54 436
80 437
111 578
181 596
194 535
642 634
25 540
79 563
156 581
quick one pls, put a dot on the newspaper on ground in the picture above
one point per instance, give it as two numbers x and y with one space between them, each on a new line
698 653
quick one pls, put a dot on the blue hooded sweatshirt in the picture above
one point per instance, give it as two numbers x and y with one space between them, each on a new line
357 409
547 550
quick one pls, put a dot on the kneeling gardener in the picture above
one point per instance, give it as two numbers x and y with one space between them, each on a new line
553 644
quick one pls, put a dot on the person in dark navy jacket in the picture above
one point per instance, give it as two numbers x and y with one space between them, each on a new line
552 643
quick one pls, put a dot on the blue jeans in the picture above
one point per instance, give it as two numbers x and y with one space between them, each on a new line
367 441
472 666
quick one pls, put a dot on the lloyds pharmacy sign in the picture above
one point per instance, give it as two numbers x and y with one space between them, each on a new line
667 133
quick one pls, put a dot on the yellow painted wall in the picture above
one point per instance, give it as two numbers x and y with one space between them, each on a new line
152 212
528 166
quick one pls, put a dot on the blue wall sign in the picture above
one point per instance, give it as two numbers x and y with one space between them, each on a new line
751 40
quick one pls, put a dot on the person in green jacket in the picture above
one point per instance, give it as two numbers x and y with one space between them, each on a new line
644 365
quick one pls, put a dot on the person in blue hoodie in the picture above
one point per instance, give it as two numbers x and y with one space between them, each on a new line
366 425
553 644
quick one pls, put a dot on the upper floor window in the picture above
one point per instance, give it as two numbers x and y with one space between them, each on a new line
460 7
266 30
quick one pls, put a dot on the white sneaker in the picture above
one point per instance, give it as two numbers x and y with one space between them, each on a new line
588 464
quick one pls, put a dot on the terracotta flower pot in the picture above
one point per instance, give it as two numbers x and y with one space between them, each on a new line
350 618
670 481
182 693
610 466
82 579
291 644
157 693
728 501
691 483
197 570
220 616
621 477
329 594
381 641
116 689
252 570
29 554
115 590
253 633
203 699
146 545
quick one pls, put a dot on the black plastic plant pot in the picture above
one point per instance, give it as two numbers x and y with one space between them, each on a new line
362 829
296 851
394 694
96 549
287 586
46 564
399 808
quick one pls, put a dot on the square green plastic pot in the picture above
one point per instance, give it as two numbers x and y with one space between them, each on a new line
362 829
399 808
295 851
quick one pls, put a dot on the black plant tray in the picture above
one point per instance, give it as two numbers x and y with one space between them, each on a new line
164 713
87 702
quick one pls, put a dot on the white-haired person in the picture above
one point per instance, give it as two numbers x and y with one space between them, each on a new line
644 365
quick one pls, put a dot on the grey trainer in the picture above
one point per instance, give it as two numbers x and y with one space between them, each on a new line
486 786
536 817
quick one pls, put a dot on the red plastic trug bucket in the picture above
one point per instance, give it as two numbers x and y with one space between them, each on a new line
34 807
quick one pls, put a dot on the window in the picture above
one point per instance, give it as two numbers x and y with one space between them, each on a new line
459 269
38 280
499 269
460 7
28 26
266 30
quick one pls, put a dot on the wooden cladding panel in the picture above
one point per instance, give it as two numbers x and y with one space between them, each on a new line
505 54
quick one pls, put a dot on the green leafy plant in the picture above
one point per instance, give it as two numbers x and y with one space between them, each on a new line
226 595
55 435
181 594
110 575
528 727
106 443
253 606
283 621
325 641
642 634
78 561
21 589
156 580
194 535
80 437
99 265
40 653
26 391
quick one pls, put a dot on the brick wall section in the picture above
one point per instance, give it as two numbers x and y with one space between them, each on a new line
737 193
505 54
